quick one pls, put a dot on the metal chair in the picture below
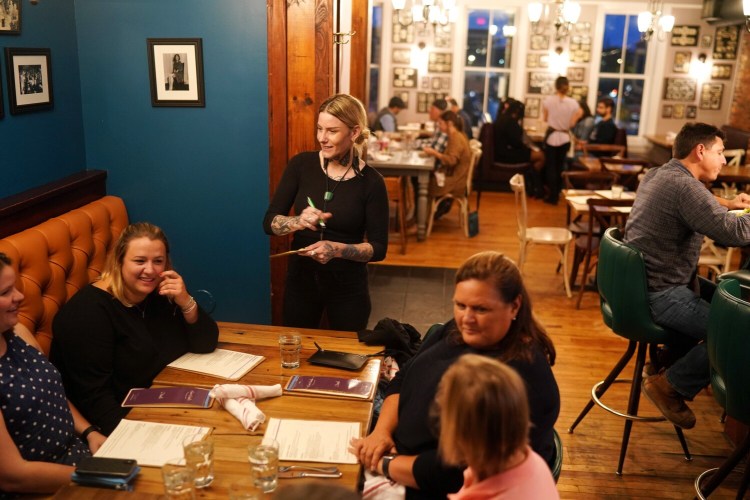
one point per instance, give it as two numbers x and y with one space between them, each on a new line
559 237
621 278
729 360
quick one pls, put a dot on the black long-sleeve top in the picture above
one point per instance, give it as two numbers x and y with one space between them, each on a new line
359 206
103 348
417 384
508 139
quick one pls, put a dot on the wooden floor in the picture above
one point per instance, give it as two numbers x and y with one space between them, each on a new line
587 350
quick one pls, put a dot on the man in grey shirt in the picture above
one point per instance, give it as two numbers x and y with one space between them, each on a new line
671 214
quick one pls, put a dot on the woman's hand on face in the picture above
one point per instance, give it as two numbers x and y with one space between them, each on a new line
95 441
322 251
173 288
369 450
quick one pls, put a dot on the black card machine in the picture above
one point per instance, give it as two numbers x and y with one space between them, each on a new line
338 359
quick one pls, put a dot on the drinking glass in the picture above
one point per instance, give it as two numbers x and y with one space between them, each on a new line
199 455
178 480
290 346
245 489
616 191
264 464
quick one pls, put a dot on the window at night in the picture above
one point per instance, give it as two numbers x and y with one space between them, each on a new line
375 50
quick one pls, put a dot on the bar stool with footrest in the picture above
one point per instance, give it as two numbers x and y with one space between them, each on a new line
621 278
729 360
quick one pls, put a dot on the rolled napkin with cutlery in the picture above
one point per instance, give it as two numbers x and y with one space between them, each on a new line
239 400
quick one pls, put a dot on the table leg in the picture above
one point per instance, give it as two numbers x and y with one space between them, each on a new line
423 183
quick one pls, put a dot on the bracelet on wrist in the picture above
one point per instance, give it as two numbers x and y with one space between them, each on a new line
88 430
192 304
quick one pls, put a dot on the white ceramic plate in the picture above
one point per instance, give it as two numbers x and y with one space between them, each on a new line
738 213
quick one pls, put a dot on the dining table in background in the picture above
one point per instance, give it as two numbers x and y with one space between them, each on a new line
661 148
410 164
231 440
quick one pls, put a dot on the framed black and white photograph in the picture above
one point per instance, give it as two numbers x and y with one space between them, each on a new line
726 42
706 41
10 17
576 74
579 92
29 73
666 111
681 61
721 71
541 82
678 111
175 68
685 36
691 111
439 62
401 56
533 105
580 49
679 89
711 94
539 42
404 78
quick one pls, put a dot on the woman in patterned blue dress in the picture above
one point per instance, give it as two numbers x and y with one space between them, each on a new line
42 435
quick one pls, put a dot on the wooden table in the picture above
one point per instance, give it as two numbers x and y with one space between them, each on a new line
230 438
410 163
661 148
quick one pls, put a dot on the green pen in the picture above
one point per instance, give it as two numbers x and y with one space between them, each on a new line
312 205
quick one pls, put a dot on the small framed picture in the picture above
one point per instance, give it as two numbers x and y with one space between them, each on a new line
721 71
576 74
532 107
678 111
401 56
539 42
10 17
29 73
175 68
691 112
666 111
681 61
706 41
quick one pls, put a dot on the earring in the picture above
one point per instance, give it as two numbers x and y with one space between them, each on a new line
514 318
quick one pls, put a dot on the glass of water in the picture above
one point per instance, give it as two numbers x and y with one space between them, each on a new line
199 455
178 480
264 464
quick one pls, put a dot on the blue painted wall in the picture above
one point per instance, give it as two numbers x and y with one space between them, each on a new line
40 147
199 173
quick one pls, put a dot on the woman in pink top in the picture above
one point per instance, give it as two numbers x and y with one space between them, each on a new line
484 423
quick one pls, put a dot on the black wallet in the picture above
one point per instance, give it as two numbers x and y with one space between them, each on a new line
338 359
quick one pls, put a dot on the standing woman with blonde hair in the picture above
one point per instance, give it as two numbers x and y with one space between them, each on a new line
484 424
340 221
122 330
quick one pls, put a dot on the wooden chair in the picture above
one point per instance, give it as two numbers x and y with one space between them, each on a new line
559 237
627 168
603 214
463 201
396 188
717 259
586 180
735 155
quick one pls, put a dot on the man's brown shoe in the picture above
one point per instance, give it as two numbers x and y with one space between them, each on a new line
668 401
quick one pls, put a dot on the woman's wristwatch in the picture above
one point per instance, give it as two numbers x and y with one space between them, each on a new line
386 464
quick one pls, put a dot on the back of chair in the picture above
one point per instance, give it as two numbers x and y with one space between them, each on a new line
589 180
623 288
476 155
519 189
729 350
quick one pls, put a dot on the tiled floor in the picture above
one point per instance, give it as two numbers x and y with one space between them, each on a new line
419 296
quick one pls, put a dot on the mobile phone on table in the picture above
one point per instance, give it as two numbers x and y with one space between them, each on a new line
109 467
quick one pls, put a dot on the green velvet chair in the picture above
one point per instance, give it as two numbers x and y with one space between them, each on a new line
729 358
557 466
623 291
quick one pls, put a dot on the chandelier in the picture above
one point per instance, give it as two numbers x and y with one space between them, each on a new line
654 21
562 14
432 12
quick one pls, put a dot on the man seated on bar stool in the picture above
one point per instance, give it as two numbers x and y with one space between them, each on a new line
671 214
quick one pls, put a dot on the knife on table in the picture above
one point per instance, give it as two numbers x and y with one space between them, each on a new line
298 474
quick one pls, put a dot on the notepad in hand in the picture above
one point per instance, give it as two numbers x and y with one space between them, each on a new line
336 386
183 397
231 365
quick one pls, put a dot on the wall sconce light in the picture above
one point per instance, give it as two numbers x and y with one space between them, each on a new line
653 20
558 61
700 69
746 11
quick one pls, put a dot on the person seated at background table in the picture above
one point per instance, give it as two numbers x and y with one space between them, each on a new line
670 216
463 115
492 317
330 271
512 145
484 423
585 124
451 165
605 130
561 113
42 435
386 117
119 332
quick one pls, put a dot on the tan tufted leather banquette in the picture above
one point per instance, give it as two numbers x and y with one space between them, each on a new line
56 258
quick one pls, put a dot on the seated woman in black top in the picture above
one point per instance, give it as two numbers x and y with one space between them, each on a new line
512 145
492 317
121 331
